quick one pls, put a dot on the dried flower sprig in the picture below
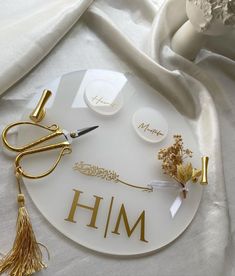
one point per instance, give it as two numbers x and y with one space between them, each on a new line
173 163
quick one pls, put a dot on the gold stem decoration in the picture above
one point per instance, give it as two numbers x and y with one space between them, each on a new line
109 175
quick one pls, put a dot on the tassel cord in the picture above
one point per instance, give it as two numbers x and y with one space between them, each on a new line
18 179
25 256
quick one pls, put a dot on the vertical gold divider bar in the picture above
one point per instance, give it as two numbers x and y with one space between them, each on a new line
108 218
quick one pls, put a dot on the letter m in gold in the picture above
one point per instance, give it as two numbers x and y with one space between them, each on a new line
141 220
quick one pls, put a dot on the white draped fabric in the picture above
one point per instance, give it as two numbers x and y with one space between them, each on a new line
41 40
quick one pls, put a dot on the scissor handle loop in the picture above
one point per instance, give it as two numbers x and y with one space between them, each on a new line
56 131
65 149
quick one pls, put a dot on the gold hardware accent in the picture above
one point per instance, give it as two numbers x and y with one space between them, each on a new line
21 199
204 179
39 112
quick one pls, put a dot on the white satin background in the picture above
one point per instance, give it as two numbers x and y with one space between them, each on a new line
41 40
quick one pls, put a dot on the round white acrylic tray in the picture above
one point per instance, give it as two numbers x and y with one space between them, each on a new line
117 146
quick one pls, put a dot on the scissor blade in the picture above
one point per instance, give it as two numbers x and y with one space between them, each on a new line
82 131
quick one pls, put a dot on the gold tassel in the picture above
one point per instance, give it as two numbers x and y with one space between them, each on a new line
25 257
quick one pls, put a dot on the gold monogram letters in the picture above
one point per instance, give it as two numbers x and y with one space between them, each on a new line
94 209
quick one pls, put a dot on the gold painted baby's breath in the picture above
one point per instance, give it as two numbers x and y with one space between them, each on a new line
173 163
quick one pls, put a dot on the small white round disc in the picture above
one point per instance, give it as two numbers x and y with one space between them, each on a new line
103 98
150 124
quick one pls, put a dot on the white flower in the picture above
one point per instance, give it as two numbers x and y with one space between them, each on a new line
223 10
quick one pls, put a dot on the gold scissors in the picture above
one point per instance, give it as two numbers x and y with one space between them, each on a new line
36 147
31 148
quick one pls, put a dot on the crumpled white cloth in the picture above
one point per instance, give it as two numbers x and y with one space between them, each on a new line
41 40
